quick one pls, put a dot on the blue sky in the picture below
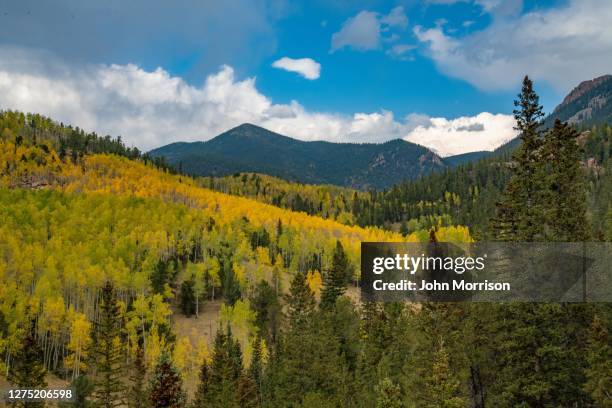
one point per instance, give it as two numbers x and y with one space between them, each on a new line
354 80
442 73
402 83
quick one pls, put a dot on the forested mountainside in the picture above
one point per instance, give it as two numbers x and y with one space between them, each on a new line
250 148
109 264
92 239
467 192
464 195
588 104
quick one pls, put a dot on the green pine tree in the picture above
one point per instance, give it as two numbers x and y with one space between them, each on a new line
82 388
520 213
388 394
442 387
159 277
300 302
27 370
256 369
247 395
308 360
166 386
231 287
599 358
108 352
334 283
187 297
219 381
137 397
404 230
201 394
565 193
265 304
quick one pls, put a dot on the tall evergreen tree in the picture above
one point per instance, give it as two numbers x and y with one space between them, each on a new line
565 190
247 395
309 360
442 385
187 297
159 277
540 355
166 386
300 302
334 283
108 352
599 358
219 381
265 304
256 369
375 338
201 394
520 213
137 396
27 369
82 388
544 200
231 287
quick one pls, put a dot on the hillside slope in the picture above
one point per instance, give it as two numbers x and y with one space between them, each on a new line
70 226
590 103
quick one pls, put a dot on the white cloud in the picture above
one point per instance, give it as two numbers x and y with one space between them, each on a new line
152 108
396 18
484 131
361 32
562 46
306 67
400 49
364 31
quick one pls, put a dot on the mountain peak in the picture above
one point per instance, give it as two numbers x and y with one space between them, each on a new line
245 126
246 129
251 132
583 88
250 148
589 103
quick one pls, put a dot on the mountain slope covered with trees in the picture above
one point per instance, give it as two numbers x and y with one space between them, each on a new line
249 148
102 247
587 104
101 254
464 195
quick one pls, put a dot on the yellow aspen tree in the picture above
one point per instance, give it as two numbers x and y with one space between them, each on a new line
315 282
183 356
79 343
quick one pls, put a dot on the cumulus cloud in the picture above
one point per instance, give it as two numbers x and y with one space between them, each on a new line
400 50
396 18
484 131
364 31
562 46
306 67
361 32
152 108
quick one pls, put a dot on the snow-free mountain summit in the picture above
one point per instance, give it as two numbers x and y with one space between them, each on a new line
250 148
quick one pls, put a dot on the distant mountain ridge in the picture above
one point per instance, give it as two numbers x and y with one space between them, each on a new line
589 103
250 148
